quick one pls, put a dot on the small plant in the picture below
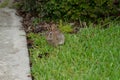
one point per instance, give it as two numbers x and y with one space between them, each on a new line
65 27
35 21
4 3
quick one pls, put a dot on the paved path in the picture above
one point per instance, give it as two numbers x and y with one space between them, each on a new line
14 61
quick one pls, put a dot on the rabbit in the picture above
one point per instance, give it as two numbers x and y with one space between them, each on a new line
54 36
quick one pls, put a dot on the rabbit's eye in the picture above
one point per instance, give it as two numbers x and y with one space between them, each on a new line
50 34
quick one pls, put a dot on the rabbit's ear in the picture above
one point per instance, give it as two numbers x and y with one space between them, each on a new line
49 28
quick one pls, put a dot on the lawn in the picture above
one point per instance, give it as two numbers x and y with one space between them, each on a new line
91 54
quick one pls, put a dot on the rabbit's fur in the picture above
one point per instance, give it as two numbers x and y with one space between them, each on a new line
54 36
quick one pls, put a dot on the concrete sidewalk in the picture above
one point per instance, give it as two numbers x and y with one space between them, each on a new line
14 60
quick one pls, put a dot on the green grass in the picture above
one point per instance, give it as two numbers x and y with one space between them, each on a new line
92 54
